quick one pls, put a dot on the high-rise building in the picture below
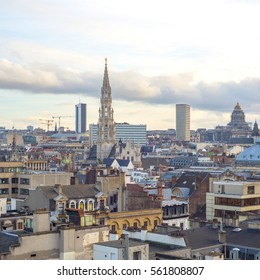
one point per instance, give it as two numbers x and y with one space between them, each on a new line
183 122
136 133
81 118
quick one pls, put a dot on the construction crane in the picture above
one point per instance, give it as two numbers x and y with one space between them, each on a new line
59 117
47 122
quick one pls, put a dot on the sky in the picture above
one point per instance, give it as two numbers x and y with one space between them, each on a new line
160 53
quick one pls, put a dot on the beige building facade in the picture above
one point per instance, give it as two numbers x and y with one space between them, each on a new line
66 243
229 201
15 182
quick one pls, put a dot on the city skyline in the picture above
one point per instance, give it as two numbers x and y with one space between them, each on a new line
52 54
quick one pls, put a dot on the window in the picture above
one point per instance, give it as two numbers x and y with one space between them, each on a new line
72 204
81 205
135 225
137 255
111 200
102 221
14 190
24 191
4 181
24 181
90 205
14 180
251 189
4 191
102 205
113 228
155 223
145 224
124 226
19 225
61 208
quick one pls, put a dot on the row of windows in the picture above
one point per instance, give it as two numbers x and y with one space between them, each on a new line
11 169
81 205
23 181
250 189
237 202
175 210
14 191
135 225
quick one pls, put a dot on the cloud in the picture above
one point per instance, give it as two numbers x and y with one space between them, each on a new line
131 86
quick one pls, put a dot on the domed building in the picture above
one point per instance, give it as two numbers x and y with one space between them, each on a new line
238 119
250 156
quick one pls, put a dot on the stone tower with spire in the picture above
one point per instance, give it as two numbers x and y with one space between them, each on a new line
106 138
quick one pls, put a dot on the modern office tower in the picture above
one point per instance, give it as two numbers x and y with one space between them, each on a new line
81 118
136 133
183 122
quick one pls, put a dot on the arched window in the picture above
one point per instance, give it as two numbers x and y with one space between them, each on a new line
81 205
90 206
72 204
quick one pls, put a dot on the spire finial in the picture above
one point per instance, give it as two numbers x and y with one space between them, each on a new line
106 60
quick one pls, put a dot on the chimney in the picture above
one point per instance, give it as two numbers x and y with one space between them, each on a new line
126 239
222 236
159 190
41 220
215 224
67 242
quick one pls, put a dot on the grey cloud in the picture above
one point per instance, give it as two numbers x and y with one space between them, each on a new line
130 86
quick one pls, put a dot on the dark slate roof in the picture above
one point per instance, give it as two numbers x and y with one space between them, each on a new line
6 240
2 158
207 236
147 149
241 140
108 161
187 180
182 161
113 152
74 191
93 153
149 161
123 162
121 243
168 175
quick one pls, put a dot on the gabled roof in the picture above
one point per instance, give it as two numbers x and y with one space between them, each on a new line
73 191
108 161
123 162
